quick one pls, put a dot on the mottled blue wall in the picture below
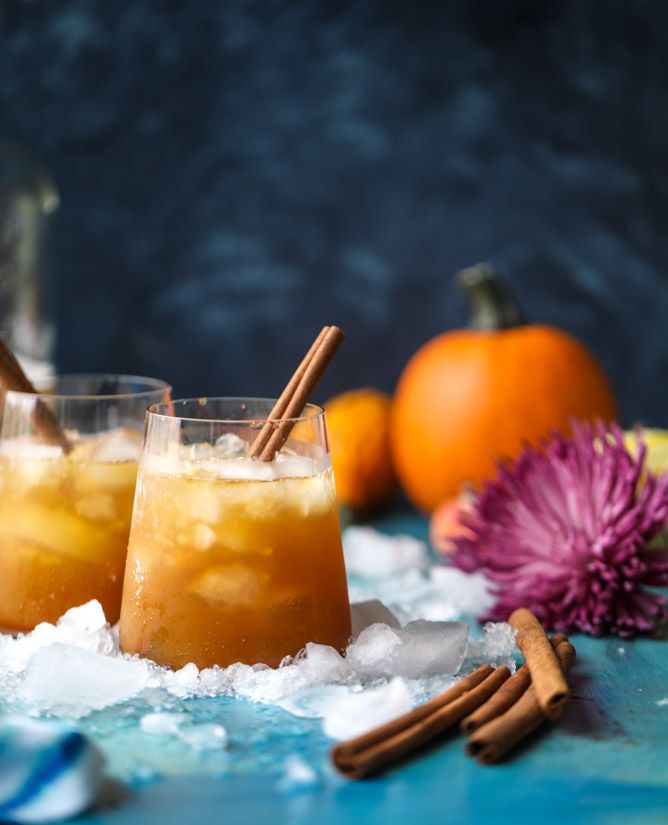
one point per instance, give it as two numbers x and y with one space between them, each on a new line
234 174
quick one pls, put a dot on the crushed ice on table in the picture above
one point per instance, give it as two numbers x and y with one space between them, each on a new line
354 712
409 644
69 681
420 648
495 646
370 554
396 570
204 736
298 775
162 723
373 611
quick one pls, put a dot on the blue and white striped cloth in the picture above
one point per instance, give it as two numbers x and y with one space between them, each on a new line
48 771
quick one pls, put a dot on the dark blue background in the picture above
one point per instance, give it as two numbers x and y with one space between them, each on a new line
235 174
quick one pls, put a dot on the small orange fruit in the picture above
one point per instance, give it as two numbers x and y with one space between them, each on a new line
444 523
358 427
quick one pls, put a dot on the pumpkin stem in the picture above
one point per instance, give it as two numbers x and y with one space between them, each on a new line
493 305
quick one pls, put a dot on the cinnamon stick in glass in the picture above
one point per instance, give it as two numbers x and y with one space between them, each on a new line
12 378
493 740
279 408
296 394
547 677
390 743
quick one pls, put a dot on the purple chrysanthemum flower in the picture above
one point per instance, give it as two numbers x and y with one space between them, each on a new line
564 531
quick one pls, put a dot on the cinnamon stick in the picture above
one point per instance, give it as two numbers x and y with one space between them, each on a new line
506 696
279 408
494 739
12 378
547 677
372 737
298 391
388 744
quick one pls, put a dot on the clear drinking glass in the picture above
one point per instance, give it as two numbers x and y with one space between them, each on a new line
232 558
65 513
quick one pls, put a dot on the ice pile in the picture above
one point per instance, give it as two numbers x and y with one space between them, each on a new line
398 571
71 668
353 712
68 680
200 736
420 648
372 555
297 775
398 656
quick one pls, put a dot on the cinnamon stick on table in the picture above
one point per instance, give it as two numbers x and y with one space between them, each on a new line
390 743
547 677
506 696
493 740
12 378
296 394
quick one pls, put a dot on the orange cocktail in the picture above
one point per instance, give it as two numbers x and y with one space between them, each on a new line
65 514
230 558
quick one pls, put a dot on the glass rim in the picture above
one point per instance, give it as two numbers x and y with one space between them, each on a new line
153 385
310 412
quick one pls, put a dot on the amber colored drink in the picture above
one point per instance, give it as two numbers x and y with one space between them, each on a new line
66 499
234 561
64 525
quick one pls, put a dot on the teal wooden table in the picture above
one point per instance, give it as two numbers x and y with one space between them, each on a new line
606 761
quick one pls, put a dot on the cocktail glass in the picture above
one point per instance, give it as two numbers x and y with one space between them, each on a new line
65 515
232 558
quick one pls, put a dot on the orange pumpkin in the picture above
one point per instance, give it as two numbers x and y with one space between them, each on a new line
470 397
